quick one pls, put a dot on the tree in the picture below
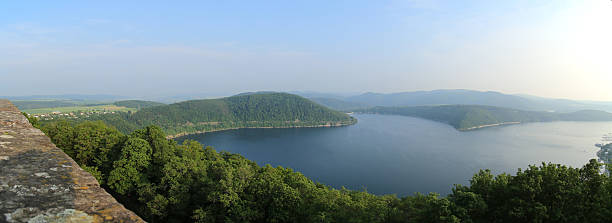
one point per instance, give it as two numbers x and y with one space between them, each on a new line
129 171
163 181
33 120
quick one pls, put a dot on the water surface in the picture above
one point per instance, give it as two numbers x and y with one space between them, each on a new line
388 154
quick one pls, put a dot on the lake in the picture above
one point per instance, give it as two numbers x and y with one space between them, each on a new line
388 154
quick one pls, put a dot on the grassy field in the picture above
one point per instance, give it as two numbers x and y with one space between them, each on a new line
97 108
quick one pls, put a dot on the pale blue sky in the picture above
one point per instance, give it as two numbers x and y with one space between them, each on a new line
142 48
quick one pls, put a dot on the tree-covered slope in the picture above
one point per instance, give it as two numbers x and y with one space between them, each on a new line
139 104
467 117
240 111
164 181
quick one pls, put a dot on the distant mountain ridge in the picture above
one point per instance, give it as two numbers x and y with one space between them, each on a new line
439 97
470 117
469 97
339 104
34 104
75 97
350 101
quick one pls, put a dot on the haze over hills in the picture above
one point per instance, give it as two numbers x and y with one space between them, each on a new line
193 168
34 104
315 94
339 104
470 117
470 97
308 101
170 98
349 101
74 97
440 97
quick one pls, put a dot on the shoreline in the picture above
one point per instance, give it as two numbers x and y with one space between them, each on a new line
263 127
458 129
489 125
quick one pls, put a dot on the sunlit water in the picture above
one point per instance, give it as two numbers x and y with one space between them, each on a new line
388 154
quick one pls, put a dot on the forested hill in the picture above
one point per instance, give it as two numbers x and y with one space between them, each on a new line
468 117
470 97
137 104
240 111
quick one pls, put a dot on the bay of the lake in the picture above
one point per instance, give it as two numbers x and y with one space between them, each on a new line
388 154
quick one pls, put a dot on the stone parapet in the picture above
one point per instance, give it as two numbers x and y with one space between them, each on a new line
40 183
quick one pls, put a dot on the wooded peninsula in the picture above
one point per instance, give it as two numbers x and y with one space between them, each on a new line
252 110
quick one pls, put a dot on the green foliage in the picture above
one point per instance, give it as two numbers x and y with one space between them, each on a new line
248 110
128 173
164 181
425 208
92 144
548 193
94 172
33 120
118 120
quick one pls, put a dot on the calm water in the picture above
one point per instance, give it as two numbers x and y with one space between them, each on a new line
395 154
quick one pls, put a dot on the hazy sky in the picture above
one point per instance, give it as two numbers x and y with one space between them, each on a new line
548 48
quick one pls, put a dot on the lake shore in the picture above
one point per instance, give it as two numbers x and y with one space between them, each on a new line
262 127
489 125
386 152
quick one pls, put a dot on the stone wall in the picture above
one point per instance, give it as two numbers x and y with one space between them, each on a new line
40 183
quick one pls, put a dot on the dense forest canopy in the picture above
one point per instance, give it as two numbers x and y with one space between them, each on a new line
164 181
465 117
240 111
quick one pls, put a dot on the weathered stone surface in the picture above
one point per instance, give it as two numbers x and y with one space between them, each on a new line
40 183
